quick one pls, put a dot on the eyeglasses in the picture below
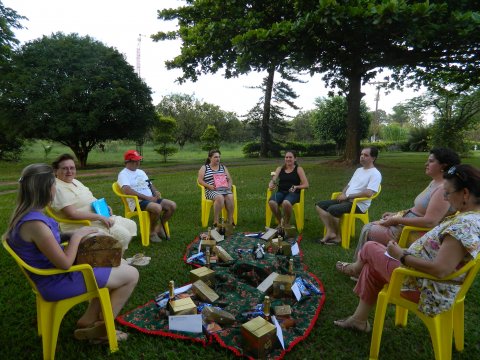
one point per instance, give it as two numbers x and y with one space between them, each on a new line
446 194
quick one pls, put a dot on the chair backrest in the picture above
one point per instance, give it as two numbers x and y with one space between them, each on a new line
49 211
202 189
473 266
124 197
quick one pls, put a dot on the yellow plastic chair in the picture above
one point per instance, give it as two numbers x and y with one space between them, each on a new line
49 211
207 205
298 210
51 313
406 237
441 327
143 216
347 221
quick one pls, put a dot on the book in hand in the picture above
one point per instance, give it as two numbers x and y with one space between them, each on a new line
221 183
100 207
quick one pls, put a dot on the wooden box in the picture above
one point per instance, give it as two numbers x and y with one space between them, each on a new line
291 232
99 250
215 235
184 306
223 254
282 286
282 310
269 234
204 292
259 337
205 274
285 248
267 284
207 243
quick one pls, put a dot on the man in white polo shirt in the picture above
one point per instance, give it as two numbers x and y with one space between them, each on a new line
134 181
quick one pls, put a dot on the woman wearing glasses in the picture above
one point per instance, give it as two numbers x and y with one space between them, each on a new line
73 200
439 253
429 207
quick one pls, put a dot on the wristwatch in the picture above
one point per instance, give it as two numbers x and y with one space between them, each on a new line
404 255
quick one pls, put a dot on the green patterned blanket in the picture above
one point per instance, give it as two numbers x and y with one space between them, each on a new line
236 284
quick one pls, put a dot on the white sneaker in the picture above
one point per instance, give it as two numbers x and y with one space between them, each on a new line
155 238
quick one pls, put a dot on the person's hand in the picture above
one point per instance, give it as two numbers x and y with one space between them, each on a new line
108 222
271 185
389 221
341 197
387 215
293 188
110 211
394 250
79 234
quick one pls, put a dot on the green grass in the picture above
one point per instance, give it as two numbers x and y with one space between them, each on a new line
403 179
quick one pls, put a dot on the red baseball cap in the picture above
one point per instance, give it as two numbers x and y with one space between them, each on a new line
132 155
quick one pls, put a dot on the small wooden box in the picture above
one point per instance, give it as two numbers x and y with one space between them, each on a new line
267 284
282 310
207 243
184 306
269 234
291 232
216 236
282 286
285 248
259 337
205 274
223 254
204 292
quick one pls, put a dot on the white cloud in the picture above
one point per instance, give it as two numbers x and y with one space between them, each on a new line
119 23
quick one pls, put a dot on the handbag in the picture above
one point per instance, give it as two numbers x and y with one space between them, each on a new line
99 250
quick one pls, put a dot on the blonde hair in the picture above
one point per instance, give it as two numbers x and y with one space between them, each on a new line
35 191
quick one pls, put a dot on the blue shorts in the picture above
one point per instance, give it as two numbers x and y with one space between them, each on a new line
144 203
281 196
337 209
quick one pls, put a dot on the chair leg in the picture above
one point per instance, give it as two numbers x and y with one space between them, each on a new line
441 329
268 215
107 312
378 325
459 325
401 316
345 226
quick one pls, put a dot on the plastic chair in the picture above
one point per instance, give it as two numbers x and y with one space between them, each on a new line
441 327
298 210
143 216
51 313
405 240
347 221
49 211
207 205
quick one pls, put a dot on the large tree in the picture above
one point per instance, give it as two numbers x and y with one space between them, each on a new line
9 20
233 36
77 91
351 41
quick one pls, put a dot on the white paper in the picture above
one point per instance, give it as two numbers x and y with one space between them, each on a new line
187 323
279 331
388 255
296 291
182 289
295 249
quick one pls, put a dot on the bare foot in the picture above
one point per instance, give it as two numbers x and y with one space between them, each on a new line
351 323
349 269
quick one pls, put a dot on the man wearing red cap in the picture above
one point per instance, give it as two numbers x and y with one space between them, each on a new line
134 181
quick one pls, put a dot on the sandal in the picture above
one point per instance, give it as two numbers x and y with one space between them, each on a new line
121 336
346 269
351 323
97 330
138 260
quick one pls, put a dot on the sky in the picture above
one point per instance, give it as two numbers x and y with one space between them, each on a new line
121 24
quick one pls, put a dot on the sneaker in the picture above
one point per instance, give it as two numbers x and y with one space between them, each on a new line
155 238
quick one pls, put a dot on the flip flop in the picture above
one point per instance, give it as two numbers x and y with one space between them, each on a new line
138 260
329 241
346 269
97 330
350 323
121 336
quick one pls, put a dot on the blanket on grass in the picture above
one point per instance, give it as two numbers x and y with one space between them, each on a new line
236 284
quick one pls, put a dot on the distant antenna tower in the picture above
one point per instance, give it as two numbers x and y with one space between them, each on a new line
139 42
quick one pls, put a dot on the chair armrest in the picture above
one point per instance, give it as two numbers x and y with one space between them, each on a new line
335 195
402 242
50 213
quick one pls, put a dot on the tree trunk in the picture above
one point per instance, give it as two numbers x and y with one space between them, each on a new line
265 131
354 96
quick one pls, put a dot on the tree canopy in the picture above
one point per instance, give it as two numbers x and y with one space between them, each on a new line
77 91
9 20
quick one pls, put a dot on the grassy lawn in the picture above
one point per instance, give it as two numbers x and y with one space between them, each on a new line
403 178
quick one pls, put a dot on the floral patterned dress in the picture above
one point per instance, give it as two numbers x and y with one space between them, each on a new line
436 297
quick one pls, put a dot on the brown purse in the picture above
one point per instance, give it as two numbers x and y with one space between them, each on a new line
99 250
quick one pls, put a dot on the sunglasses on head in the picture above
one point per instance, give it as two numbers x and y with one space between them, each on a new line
454 171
